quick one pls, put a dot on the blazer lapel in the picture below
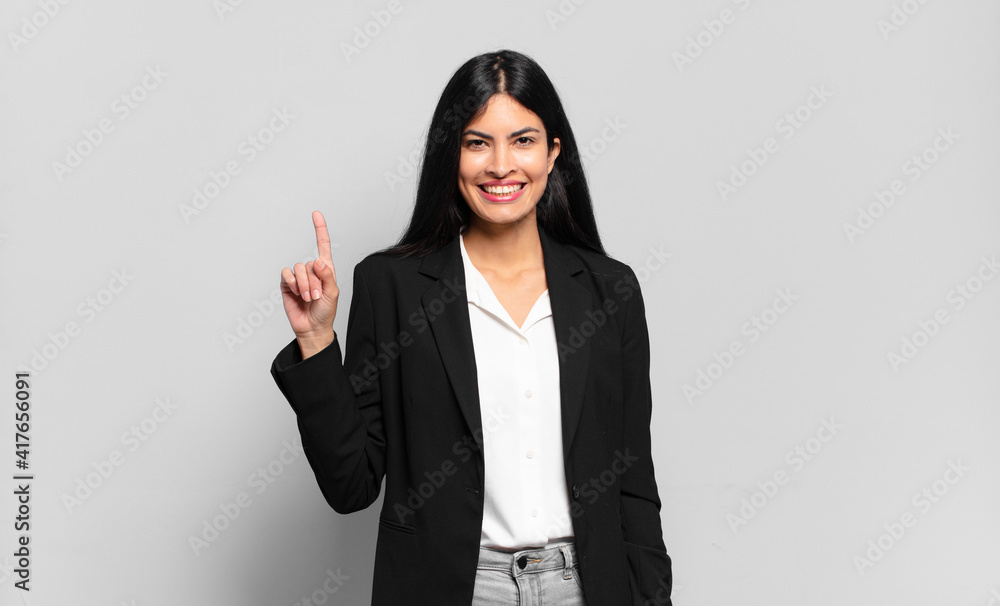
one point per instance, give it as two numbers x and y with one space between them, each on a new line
571 298
445 303
446 308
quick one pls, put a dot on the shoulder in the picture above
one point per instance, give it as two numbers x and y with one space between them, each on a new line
602 264
384 273
379 263
606 272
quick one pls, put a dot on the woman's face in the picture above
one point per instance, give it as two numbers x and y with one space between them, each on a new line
505 163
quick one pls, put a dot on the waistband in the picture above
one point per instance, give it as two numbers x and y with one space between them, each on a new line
529 561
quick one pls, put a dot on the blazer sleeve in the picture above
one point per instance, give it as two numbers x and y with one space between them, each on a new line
649 565
338 407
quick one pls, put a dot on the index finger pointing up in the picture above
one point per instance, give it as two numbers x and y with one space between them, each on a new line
322 238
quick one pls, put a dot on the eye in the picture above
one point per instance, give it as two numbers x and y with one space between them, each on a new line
525 140
475 143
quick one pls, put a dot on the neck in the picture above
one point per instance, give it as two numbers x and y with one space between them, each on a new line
508 248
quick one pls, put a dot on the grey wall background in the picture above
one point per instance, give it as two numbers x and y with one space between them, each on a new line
147 316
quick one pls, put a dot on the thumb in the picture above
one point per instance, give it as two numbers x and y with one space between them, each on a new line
325 273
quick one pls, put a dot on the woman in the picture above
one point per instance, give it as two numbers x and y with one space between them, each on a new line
496 371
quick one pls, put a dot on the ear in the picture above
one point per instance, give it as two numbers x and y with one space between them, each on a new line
554 153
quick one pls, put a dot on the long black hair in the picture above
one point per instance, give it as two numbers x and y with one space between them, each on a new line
564 211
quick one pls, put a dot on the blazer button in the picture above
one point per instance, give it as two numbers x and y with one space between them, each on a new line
576 491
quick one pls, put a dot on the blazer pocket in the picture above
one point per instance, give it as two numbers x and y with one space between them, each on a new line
650 574
397 526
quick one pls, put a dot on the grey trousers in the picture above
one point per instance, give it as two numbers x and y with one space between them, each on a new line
529 577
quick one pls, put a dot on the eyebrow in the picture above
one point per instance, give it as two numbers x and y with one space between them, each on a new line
526 129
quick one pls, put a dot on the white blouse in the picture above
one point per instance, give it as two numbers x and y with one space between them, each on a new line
526 500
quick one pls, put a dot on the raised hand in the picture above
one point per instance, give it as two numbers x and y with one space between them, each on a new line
309 293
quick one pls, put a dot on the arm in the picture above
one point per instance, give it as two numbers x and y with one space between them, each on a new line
340 420
649 564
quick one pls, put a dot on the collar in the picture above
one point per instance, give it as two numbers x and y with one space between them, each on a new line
572 296
480 293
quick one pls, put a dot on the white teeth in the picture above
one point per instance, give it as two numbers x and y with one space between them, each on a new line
502 190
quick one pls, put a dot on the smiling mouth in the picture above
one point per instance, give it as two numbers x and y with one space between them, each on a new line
501 190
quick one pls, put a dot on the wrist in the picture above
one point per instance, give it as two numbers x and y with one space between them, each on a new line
312 343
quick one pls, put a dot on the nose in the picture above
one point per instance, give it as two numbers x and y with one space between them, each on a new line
501 162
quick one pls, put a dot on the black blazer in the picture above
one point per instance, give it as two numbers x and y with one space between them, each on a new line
404 404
